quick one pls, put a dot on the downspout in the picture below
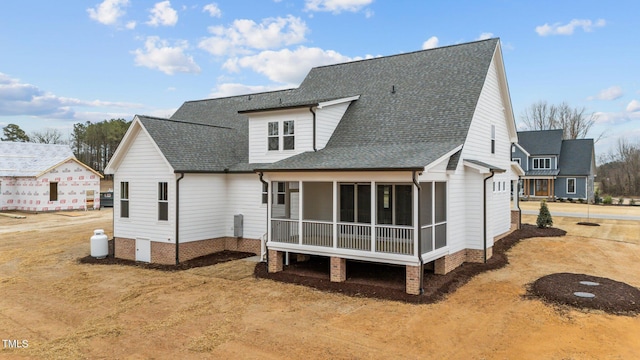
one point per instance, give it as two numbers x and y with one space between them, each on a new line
419 235
267 223
178 218
314 128
484 212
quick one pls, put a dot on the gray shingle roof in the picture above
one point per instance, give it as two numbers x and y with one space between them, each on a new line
413 108
544 172
30 159
576 157
541 142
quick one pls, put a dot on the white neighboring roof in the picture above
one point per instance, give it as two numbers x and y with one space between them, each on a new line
21 159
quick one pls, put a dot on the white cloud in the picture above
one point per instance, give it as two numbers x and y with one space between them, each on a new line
336 6
246 35
21 99
567 29
131 25
485 36
163 14
431 43
108 11
633 106
213 10
232 89
287 66
611 93
159 55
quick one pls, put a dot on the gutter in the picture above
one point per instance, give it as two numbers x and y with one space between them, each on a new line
178 218
415 181
267 223
314 128
484 212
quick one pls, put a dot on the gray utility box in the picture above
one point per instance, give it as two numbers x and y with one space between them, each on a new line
237 225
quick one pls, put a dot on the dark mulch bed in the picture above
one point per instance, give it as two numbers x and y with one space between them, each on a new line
207 260
611 296
584 223
387 282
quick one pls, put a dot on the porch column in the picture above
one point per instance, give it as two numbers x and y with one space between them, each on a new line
373 216
335 214
300 202
416 220
552 191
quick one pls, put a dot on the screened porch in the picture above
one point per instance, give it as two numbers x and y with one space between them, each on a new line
357 218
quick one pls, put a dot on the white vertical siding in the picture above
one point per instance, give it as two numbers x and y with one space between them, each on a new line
203 206
244 194
258 131
489 111
143 167
327 120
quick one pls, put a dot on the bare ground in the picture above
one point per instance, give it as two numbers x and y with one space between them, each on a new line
70 310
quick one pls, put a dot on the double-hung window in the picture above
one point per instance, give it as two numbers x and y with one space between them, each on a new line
493 139
571 186
273 138
281 135
124 199
163 201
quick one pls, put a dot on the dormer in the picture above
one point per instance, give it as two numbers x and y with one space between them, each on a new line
285 130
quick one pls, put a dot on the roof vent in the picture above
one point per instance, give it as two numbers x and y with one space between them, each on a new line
393 89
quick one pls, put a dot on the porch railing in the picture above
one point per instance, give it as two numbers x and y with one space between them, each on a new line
392 239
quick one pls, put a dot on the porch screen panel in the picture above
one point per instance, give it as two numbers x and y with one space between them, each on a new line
385 204
364 204
404 205
427 239
347 204
426 213
441 235
441 202
317 201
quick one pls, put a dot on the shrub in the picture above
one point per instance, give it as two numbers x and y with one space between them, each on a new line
570 199
544 217
581 200
632 202
596 197
607 200
620 201
561 199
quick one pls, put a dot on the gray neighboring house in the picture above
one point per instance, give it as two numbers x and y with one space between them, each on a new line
401 160
555 168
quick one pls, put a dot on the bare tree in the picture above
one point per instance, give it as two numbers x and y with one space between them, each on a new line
574 122
48 136
620 173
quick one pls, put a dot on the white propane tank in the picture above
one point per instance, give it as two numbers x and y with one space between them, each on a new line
99 244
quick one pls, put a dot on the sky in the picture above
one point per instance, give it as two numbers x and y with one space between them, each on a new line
67 62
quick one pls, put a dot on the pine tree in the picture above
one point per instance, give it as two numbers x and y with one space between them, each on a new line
544 217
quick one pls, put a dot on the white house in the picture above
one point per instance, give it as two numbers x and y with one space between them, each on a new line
45 177
402 159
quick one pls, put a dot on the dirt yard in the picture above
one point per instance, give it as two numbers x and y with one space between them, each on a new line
64 309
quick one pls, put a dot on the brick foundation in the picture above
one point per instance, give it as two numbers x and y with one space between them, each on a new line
124 248
412 285
477 255
449 262
515 219
338 269
276 261
165 252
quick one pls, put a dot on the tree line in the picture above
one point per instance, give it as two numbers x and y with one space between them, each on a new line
92 143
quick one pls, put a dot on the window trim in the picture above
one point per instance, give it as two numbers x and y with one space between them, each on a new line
575 185
536 163
288 131
516 160
493 139
124 199
273 136
163 198
265 193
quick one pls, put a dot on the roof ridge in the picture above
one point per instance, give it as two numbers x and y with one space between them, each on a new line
185 122
405 53
241 95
